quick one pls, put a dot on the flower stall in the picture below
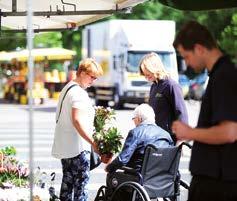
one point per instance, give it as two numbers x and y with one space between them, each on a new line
14 179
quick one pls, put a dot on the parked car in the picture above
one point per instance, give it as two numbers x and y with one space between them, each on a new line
198 86
185 84
193 88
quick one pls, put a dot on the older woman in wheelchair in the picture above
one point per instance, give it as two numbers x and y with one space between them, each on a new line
147 166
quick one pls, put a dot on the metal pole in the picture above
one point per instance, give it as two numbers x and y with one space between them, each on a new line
30 98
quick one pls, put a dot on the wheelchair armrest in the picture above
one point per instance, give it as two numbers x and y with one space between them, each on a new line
186 144
132 171
128 170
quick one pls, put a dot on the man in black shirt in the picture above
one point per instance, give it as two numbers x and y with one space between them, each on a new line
214 154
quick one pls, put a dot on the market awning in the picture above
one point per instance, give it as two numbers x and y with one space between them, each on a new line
195 5
39 54
5 56
58 14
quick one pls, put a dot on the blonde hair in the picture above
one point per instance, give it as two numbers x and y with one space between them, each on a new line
152 63
89 65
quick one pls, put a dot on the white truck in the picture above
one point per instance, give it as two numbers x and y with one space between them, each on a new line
119 45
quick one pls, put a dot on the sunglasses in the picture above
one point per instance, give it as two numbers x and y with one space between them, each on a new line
91 76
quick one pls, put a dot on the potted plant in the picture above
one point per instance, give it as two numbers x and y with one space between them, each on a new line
106 135
12 172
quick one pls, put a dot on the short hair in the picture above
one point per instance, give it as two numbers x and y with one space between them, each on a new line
89 65
152 63
194 33
145 112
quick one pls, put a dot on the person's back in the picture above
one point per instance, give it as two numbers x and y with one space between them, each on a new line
167 101
146 132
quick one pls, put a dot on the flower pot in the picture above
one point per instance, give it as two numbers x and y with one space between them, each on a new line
106 158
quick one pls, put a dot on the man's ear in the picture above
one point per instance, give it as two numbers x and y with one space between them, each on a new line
140 120
200 49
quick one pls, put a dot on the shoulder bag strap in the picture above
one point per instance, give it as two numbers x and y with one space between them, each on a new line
63 100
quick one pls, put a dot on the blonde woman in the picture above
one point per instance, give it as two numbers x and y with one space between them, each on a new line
73 132
165 94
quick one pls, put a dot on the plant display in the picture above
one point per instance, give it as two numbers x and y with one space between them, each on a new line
14 178
106 135
12 172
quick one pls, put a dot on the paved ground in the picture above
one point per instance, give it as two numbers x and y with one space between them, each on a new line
14 130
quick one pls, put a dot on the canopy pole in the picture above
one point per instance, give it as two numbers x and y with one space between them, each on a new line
30 98
14 6
0 22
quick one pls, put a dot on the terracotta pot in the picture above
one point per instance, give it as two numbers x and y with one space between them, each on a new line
106 158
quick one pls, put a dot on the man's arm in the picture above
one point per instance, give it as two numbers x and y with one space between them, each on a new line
123 158
225 132
77 124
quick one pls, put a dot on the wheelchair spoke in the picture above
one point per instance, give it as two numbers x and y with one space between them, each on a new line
101 194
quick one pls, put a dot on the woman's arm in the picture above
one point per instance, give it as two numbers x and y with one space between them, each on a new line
77 124
178 103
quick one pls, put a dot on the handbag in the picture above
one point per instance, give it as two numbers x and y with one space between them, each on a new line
94 157
95 160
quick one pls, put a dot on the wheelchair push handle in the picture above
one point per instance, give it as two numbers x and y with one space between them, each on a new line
185 143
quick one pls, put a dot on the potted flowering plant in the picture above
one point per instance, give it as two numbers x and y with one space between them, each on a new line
14 178
106 135
12 171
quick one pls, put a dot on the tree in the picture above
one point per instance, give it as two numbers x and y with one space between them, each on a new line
49 39
72 40
228 40
10 41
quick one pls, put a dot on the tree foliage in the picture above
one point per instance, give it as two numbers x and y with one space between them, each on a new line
72 40
49 39
228 39
10 41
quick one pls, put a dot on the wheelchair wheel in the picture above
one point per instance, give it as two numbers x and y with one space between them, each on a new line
130 191
101 194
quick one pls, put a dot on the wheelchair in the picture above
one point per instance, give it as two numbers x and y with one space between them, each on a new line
159 178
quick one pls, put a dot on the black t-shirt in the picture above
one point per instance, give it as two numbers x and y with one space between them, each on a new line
219 104
166 99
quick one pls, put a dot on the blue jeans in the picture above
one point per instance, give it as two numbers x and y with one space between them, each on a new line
76 172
